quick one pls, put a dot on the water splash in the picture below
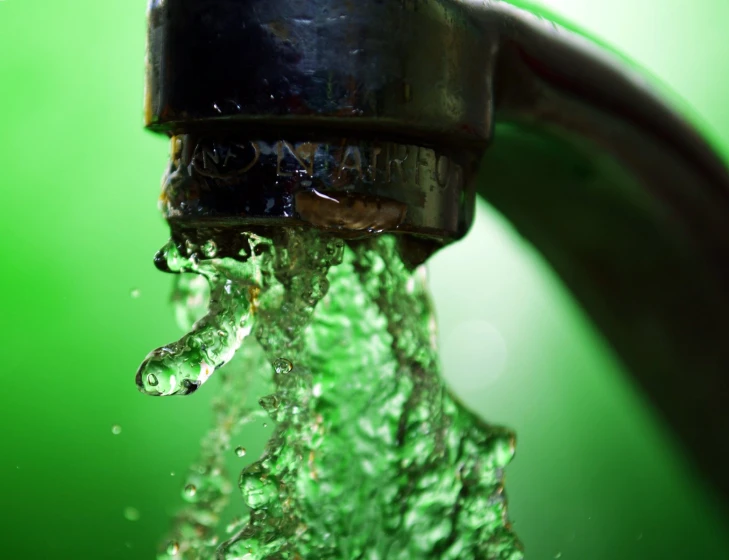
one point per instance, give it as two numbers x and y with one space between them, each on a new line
181 367
371 457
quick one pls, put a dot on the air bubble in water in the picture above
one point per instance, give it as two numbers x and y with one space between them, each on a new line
152 380
173 549
131 514
116 429
240 451
190 490
135 293
210 249
269 403
282 366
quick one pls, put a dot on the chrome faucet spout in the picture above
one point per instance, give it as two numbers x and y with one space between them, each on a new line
390 116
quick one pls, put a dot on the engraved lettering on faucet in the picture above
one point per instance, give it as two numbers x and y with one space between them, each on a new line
232 155
228 156
443 171
200 160
376 151
254 161
210 154
351 153
397 162
425 167
303 153
384 164
206 159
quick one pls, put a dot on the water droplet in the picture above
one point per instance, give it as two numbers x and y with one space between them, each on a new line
240 451
210 249
265 424
269 403
173 549
282 366
558 555
135 293
116 429
190 490
131 514
152 380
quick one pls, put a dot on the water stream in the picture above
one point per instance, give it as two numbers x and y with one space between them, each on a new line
371 456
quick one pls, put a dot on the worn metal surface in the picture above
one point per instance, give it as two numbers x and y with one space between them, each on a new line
354 186
417 67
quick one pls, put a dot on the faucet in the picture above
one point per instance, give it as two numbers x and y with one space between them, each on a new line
393 115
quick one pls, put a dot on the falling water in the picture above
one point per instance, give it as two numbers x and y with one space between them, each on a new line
371 457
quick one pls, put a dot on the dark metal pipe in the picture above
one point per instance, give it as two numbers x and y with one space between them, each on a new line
362 117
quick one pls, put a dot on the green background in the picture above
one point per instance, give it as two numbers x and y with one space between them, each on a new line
596 476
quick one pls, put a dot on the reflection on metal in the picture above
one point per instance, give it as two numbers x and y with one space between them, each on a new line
272 102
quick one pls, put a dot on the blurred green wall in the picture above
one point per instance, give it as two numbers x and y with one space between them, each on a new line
596 476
